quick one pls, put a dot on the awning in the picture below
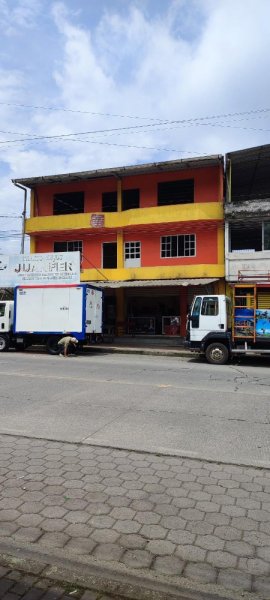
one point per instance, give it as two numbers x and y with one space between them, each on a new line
153 283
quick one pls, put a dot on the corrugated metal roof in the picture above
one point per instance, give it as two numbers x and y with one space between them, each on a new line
172 165
153 283
250 174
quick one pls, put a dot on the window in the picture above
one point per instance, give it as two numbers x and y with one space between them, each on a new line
132 254
266 236
210 307
132 250
180 191
109 255
68 246
109 202
130 199
253 237
69 203
2 310
178 245
195 312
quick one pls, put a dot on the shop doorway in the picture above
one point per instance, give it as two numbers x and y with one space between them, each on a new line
153 315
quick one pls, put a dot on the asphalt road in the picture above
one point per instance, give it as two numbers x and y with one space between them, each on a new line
154 403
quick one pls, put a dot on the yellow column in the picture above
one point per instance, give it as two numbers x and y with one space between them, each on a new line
120 312
32 245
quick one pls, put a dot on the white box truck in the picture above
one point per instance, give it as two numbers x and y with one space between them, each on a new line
43 314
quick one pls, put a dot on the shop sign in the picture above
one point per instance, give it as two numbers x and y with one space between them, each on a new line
40 269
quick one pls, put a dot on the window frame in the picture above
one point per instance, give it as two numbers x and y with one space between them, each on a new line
263 237
67 242
184 235
206 302
134 244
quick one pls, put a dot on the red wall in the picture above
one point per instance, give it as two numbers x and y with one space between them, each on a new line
208 188
206 245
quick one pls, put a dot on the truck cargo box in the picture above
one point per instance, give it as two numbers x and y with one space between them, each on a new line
58 309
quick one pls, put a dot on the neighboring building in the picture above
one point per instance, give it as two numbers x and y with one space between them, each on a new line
152 235
247 219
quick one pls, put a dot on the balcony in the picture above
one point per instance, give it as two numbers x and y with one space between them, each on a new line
131 218
247 264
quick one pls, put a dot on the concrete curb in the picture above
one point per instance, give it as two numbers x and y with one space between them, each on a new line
150 351
122 582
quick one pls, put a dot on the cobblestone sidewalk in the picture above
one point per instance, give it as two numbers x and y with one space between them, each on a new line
181 519
16 585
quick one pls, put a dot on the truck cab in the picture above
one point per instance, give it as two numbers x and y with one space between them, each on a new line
6 322
209 327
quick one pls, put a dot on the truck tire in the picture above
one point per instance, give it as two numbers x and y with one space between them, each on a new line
52 344
217 353
4 343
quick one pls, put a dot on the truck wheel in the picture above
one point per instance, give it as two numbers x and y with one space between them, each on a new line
52 345
217 354
4 343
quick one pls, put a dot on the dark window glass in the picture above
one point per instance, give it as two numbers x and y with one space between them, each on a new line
180 191
246 237
73 246
109 202
210 307
266 245
110 255
130 199
69 203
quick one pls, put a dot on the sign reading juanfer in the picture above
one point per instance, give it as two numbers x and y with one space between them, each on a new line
40 269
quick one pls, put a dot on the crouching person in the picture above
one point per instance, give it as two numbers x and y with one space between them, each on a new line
66 343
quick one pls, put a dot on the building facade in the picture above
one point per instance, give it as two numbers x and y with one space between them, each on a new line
247 220
151 235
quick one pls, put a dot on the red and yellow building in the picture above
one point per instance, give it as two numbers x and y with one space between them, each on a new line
147 233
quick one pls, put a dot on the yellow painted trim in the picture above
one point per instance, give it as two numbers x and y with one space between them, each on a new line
166 272
32 203
32 245
120 250
130 218
119 195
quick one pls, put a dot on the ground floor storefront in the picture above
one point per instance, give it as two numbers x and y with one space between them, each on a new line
152 308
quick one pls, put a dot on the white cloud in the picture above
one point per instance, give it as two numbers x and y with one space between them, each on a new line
18 14
185 59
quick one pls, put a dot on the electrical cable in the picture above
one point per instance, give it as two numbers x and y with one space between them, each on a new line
51 108
135 127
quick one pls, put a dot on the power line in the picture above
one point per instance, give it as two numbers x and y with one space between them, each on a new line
10 217
193 121
61 109
83 112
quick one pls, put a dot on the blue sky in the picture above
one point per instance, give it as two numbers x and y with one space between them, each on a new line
126 81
